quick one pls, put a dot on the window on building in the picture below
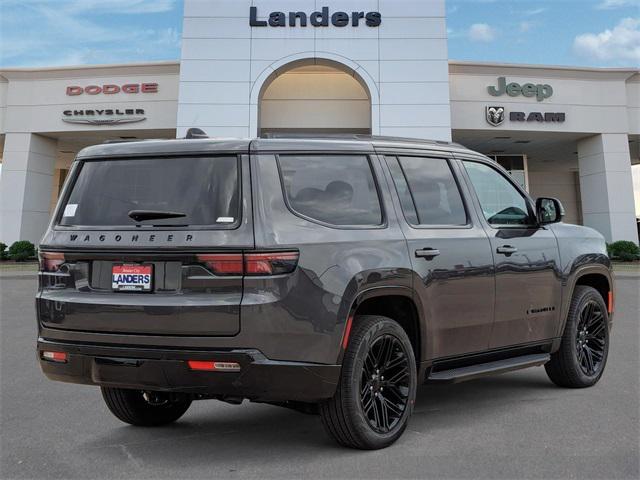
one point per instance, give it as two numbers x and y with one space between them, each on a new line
516 165
62 176
501 202
333 189
428 191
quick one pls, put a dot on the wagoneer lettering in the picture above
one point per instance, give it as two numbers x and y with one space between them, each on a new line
74 237
332 275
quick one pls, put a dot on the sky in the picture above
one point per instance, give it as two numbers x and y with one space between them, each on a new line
597 33
600 33
563 32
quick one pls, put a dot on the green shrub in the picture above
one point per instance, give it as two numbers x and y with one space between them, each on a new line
624 250
22 250
3 251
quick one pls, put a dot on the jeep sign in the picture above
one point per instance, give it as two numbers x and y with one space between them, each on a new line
514 89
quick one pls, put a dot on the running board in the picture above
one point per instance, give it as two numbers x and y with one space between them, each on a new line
462 374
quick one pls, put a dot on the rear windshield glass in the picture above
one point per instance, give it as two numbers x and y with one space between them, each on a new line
194 191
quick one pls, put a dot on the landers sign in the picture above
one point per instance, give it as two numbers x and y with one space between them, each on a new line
317 19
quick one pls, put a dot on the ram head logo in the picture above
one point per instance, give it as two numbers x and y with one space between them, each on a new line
495 115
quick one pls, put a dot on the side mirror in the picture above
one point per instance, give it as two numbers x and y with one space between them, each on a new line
549 210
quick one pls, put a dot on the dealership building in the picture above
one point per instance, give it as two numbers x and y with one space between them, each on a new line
380 67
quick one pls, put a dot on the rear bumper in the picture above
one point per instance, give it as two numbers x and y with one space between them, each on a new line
166 370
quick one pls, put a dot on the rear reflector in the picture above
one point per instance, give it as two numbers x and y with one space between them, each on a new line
272 263
59 357
209 366
610 303
347 332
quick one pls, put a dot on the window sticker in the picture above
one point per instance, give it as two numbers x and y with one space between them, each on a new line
225 220
70 210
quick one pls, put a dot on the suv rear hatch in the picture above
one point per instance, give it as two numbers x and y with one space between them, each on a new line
149 245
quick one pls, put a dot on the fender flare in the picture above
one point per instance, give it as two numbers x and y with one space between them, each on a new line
572 281
386 291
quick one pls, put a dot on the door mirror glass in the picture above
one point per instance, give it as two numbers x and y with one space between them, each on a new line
549 210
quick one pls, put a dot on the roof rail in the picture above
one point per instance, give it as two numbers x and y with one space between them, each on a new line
194 133
126 140
352 136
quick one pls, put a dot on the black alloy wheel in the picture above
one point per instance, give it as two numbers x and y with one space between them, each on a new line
376 392
591 338
384 386
583 352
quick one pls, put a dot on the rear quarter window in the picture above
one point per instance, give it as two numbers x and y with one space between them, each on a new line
205 189
336 190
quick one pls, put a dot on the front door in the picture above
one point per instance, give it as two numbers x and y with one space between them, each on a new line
528 277
450 253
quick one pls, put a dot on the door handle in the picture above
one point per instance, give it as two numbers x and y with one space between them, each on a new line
507 250
427 253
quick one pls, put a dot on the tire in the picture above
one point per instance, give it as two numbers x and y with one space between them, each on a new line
355 416
577 364
131 407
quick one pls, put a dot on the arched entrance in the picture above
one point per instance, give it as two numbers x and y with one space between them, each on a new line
314 96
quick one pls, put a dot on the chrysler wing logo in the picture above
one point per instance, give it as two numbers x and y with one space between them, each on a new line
104 117
103 121
495 115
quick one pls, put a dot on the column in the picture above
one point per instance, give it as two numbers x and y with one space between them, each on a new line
606 186
25 186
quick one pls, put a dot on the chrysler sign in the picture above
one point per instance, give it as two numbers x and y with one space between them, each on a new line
321 18
104 116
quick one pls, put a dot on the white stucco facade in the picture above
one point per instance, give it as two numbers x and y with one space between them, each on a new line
571 133
597 139
38 141
402 62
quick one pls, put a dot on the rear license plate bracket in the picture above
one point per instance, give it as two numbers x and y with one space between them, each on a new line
132 277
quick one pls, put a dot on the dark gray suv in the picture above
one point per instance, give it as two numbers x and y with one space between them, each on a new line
329 275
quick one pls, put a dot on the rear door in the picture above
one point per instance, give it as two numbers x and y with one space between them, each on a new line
528 275
149 245
450 253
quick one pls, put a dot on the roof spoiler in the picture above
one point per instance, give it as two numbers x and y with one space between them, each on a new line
195 133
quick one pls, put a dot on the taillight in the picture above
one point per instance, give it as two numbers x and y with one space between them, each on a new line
50 261
272 263
276 263
223 263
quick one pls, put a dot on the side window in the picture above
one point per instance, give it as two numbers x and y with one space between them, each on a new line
334 189
428 191
501 202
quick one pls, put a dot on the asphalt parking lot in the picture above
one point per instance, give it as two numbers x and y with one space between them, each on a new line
517 425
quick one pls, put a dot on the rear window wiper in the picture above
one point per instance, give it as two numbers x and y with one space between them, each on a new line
140 215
